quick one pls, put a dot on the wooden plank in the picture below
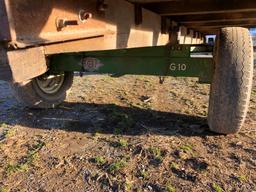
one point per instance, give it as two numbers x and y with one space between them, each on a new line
214 17
192 7
245 22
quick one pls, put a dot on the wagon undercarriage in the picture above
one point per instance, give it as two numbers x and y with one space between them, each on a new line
43 42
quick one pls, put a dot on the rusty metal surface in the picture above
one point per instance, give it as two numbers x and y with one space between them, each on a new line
34 22
119 23
26 64
122 32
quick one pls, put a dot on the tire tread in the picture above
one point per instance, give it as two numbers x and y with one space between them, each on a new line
232 83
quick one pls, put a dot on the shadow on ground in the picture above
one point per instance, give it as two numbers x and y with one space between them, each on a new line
112 119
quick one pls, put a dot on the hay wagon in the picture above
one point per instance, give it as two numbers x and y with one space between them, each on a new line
43 42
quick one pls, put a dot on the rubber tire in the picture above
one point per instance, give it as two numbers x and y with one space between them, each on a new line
30 95
232 82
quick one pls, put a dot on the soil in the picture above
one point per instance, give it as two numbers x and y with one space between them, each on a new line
124 134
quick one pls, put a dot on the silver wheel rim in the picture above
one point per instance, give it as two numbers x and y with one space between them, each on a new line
50 84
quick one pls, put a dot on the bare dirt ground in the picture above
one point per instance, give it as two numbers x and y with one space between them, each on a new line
125 134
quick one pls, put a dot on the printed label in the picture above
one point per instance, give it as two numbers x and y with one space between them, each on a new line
178 67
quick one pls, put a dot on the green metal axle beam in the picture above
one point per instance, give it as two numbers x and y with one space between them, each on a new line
177 61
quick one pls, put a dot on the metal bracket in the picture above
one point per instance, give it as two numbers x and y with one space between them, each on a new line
174 29
26 64
165 25
138 14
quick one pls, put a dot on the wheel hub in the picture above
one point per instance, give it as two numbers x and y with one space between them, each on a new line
50 84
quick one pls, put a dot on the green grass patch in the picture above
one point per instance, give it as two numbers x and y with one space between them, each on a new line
143 174
186 148
242 178
217 188
100 160
4 125
157 154
2 189
254 92
155 151
96 134
13 168
128 186
170 188
174 165
117 166
29 160
8 133
123 143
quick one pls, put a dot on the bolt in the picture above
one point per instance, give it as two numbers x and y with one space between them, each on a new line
83 15
61 23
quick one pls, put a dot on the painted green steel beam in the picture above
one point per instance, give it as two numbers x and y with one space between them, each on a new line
161 61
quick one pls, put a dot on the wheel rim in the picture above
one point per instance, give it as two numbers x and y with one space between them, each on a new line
50 84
